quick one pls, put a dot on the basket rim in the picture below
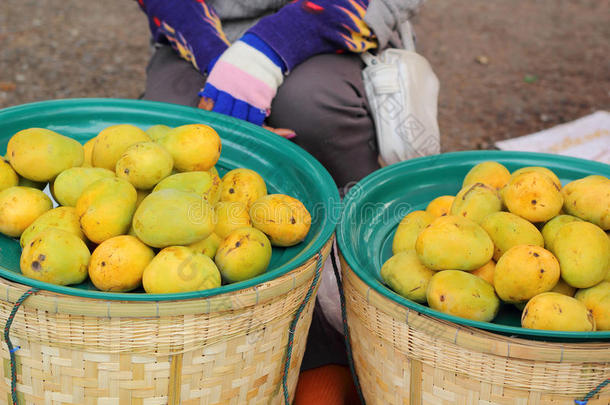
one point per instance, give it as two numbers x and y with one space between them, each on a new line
323 179
374 179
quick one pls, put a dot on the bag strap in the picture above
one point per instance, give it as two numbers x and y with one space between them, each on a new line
406 35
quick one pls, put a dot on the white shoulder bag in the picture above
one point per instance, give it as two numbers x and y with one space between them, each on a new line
402 91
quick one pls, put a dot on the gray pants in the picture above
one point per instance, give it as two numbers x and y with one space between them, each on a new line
322 100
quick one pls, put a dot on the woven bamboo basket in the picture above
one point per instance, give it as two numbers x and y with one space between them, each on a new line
226 349
404 357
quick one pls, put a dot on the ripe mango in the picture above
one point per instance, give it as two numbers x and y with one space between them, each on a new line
205 184
462 294
230 215
408 230
208 246
440 206
490 173
554 311
476 201
405 275
589 199
583 251
283 218
597 300
55 256
242 185
173 217
549 230
177 269
243 254
19 207
105 208
8 176
63 218
112 142
453 242
194 147
144 164
486 272
538 169
533 196
507 230
564 288
71 183
157 132
117 264
88 149
525 271
40 154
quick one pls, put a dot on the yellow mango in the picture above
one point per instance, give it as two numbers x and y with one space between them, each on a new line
112 142
525 271
597 300
55 256
173 217
205 184
440 206
476 201
283 218
507 230
242 185
88 150
208 246
490 173
230 215
554 311
177 269
157 132
589 199
194 147
462 294
541 170
243 254
564 288
406 276
549 230
63 218
19 207
8 176
71 183
105 208
144 165
583 251
117 264
408 230
533 196
486 272
453 242
40 154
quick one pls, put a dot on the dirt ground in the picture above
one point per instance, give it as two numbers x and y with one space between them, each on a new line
507 67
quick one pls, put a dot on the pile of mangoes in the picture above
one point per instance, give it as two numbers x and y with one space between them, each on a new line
140 208
510 238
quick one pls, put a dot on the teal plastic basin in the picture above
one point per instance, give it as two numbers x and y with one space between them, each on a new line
375 206
286 168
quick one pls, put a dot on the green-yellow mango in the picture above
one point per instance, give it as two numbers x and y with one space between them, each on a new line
597 300
440 206
157 132
549 230
589 199
230 215
538 169
177 269
462 294
564 288
71 183
208 246
486 272
453 242
243 254
19 207
173 217
491 173
476 201
63 218
283 218
88 149
105 208
112 142
533 196
205 184
507 230
144 165
40 154
554 311
55 256
583 251
8 176
525 271
405 275
242 185
194 147
408 230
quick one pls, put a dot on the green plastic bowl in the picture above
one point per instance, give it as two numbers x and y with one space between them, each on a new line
286 168
374 207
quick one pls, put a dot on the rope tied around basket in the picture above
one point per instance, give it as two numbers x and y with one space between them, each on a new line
11 349
592 393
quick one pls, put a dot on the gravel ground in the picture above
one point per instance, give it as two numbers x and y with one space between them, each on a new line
507 67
